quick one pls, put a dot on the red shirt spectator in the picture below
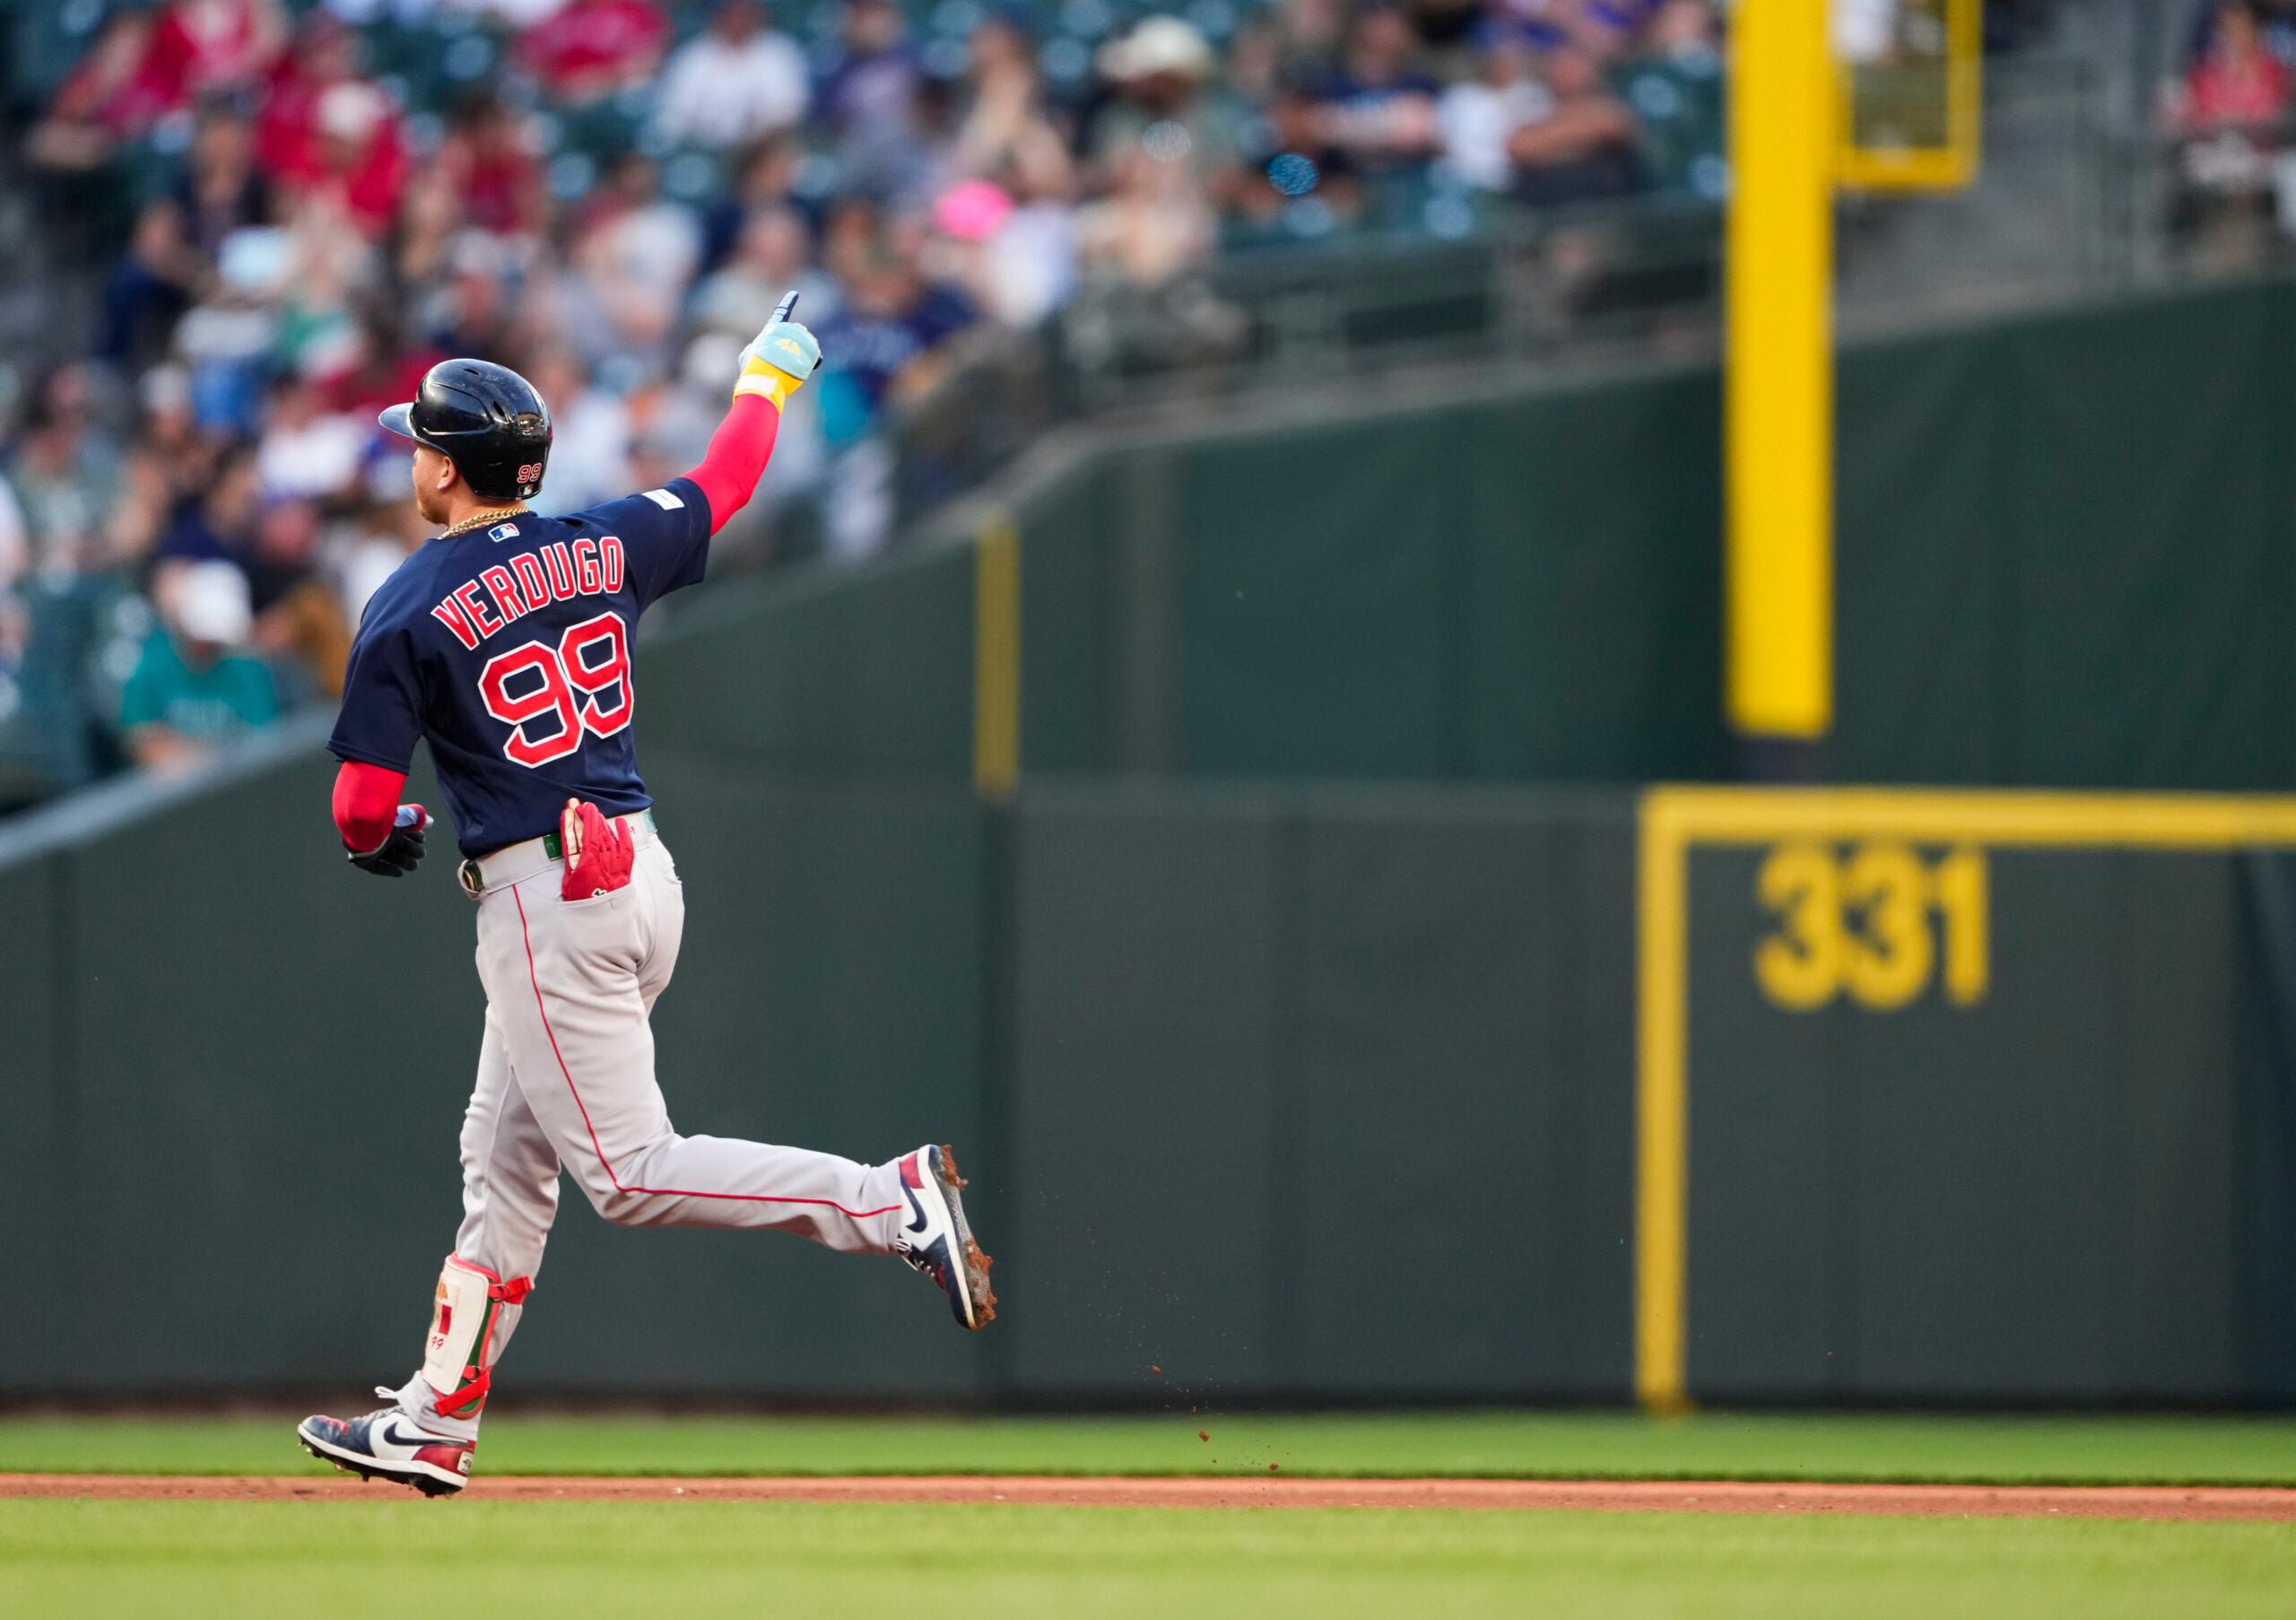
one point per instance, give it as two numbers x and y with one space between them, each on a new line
592 48
356 156
203 45
383 375
287 130
111 95
498 180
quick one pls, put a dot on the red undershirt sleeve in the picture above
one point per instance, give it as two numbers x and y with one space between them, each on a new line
366 802
366 797
738 452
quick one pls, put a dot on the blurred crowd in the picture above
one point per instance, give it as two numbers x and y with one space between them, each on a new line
2230 108
314 203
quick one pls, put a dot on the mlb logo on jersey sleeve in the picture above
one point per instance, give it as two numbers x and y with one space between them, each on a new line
502 532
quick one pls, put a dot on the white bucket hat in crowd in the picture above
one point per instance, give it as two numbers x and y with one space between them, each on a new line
1159 44
210 603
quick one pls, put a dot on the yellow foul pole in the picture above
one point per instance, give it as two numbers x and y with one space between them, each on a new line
1779 372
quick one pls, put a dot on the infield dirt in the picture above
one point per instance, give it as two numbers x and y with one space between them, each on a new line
1668 1497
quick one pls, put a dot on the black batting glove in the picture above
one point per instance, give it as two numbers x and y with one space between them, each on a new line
402 851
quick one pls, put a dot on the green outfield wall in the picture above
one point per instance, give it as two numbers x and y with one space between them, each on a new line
2067 556
1439 1084
1291 1091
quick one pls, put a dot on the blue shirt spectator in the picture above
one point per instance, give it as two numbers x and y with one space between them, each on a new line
885 336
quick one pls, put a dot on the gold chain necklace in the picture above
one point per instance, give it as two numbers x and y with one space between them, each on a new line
480 519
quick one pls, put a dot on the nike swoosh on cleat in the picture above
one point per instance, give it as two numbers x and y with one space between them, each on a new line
418 1440
923 1220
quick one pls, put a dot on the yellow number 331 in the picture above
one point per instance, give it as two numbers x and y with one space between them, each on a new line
1861 922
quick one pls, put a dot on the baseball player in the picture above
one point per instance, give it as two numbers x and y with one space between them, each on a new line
506 642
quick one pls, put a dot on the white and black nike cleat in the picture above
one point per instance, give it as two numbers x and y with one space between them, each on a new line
386 1445
935 1239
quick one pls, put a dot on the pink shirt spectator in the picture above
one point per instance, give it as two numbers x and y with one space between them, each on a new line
2239 80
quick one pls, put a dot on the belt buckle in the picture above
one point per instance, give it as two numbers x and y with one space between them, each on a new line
471 878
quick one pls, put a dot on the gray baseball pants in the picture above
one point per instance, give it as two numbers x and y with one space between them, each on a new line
565 1080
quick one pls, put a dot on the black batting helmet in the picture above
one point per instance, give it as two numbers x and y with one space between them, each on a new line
487 419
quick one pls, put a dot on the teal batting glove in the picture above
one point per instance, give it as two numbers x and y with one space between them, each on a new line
780 358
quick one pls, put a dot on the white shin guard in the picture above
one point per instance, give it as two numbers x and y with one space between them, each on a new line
466 1327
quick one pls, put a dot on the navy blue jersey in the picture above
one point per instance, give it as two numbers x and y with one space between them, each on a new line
508 647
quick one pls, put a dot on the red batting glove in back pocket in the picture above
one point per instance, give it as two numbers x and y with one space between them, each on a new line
598 852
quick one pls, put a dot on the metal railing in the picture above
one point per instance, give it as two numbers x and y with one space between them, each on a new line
2071 203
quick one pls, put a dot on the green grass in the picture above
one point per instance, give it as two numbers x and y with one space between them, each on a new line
568 1560
1999 1450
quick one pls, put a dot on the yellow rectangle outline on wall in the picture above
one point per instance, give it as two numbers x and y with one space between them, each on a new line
1671 820
1947 168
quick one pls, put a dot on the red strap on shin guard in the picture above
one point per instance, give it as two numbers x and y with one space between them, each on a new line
470 1396
467 1401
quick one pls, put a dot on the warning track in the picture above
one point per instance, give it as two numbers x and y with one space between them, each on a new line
1660 1496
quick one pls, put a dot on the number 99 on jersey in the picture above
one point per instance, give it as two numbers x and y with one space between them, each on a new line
1876 921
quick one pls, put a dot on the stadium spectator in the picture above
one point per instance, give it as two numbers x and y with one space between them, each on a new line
418 255
1377 106
1161 76
591 448
867 102
735 81
300 625
1140 250
287 138
1030 267
170 464
2229 108
1479 116
891 335
384 370
1583 149
1303 182
1003 112
469 304
1014 253
485 171
193 688
221 189
2235 82
509 14
108 97
632 264
587 50
149 288
891 326
206 47
356 167
307 450
1683 30
219 525
178 239
305 239
763 174
64 475
368 545
1153 224
15 560
1311 32
773 257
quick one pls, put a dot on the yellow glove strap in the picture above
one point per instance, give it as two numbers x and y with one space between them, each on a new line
775 384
